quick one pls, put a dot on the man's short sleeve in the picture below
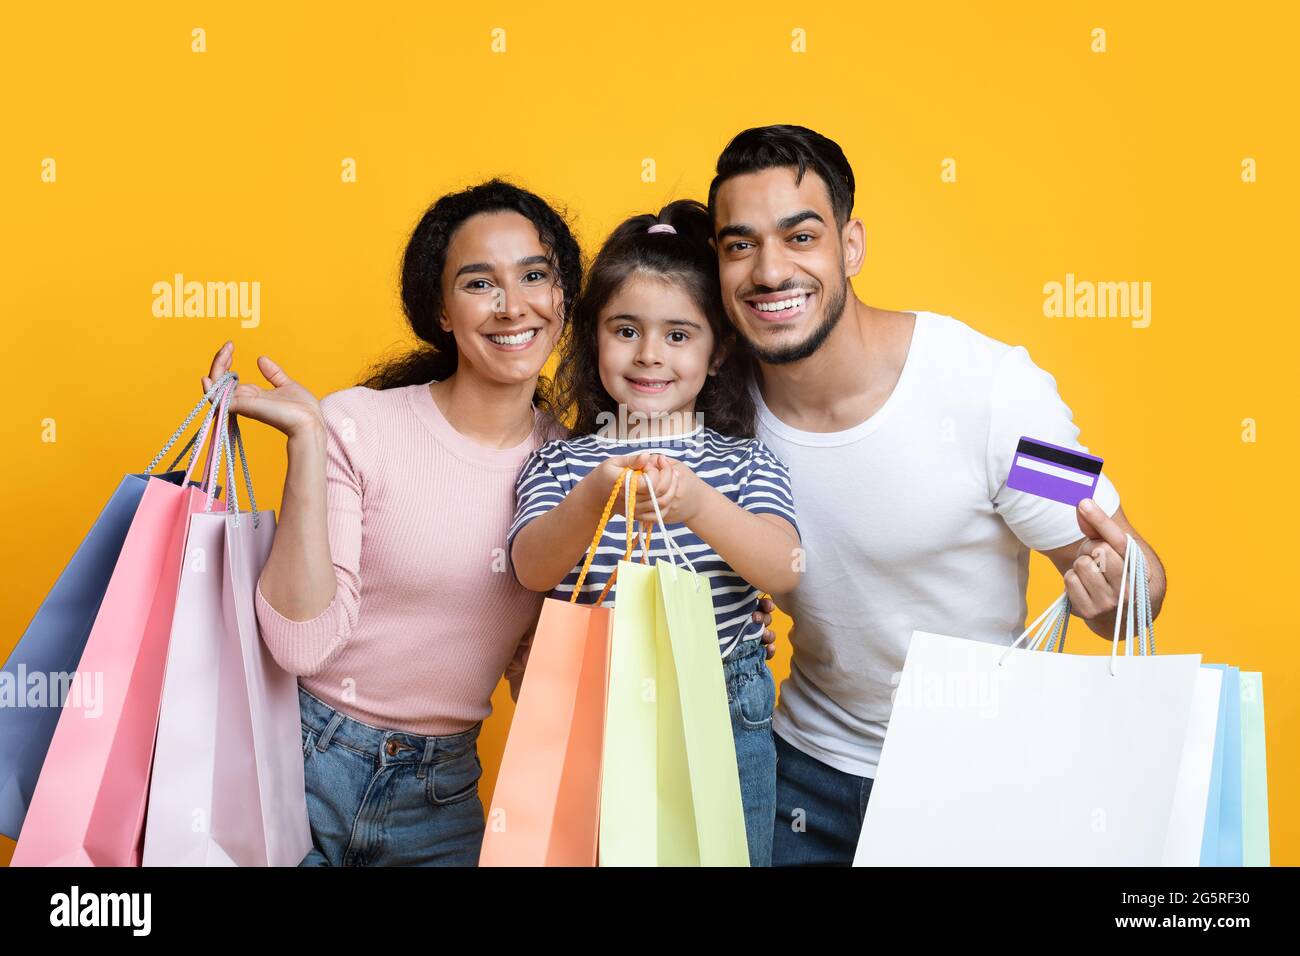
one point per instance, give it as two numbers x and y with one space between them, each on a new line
1025 404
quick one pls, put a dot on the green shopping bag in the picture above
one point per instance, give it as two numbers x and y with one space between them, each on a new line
1254 772
670 786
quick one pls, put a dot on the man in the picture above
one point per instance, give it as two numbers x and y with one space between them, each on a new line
899 431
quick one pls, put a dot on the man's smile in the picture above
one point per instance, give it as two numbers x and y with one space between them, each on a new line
779 306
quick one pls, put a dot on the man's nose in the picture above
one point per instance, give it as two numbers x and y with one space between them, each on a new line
771 266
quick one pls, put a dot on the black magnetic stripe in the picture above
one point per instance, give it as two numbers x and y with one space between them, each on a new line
1077 462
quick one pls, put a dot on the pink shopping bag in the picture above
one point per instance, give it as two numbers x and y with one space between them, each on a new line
227 787
89 803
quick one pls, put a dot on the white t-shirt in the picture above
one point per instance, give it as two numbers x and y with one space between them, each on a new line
907 524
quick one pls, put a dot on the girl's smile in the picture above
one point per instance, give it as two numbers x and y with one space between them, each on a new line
655 347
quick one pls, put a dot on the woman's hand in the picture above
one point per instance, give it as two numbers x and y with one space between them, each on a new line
286 406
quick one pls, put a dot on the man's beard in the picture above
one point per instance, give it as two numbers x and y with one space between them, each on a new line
784 355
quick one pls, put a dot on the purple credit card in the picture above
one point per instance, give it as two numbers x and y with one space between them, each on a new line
1050 471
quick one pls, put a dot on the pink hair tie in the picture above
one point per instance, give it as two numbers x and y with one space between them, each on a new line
662 227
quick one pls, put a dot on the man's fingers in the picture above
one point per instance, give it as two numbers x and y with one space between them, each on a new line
1095 523
1079 599
1099 589
1108 561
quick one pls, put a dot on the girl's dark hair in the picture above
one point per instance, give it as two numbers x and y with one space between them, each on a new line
422 265
685 258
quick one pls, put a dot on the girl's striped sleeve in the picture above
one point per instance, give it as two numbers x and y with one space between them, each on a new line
765 484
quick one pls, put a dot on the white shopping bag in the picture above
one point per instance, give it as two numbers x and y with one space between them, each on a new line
227 787
1016 757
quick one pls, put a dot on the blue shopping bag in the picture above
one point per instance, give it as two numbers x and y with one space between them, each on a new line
40 668
1222 842
52 646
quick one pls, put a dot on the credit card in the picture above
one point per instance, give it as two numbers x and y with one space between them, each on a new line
1050 471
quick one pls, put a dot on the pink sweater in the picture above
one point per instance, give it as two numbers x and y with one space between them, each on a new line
427 615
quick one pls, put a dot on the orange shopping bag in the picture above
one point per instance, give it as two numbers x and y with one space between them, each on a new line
546 807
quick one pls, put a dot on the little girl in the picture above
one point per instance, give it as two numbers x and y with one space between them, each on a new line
651 366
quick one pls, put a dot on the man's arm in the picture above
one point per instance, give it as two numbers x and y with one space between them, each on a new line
1092 567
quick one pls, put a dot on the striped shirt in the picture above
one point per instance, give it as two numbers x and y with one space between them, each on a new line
743 469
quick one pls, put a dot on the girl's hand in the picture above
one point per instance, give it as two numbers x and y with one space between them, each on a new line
286 406
676 488
601 479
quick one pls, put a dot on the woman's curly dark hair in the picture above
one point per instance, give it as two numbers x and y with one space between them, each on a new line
422 265
685 258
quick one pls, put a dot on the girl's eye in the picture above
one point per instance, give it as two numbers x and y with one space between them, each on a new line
474 284
683 335
535 276
625 328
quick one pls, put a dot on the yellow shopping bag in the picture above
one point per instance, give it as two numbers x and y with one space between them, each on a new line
670 788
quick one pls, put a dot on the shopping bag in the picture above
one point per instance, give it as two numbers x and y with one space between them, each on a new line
38 674
1222 841
671 787
546 806
88 805
1254 772
1009 756
227 785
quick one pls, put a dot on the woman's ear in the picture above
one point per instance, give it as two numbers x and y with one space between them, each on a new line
557 301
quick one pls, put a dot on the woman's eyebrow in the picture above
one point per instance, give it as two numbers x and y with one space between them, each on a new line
487 266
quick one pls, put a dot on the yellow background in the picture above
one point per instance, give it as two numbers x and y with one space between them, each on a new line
1121 166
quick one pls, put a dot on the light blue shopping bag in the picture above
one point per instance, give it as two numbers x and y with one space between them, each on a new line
1222 842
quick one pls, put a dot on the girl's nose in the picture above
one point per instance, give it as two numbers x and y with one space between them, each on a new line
647 355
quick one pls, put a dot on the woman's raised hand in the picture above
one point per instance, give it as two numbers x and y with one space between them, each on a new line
286 406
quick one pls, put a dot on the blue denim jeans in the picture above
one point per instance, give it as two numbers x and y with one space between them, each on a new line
751 696
819 811
380 797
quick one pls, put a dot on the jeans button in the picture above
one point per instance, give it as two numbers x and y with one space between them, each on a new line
391 748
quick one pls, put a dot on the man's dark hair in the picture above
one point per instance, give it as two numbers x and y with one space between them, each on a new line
765 147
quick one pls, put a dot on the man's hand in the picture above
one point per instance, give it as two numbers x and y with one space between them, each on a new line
764 614
1092 568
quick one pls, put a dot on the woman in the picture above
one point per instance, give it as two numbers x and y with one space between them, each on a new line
384 591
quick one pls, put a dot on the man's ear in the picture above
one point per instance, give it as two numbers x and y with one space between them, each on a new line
854 240
713 244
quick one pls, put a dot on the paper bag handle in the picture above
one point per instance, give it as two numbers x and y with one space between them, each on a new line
631 477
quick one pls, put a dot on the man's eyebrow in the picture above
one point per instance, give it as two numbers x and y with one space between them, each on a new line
793 220
736 229
743 231
487 266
